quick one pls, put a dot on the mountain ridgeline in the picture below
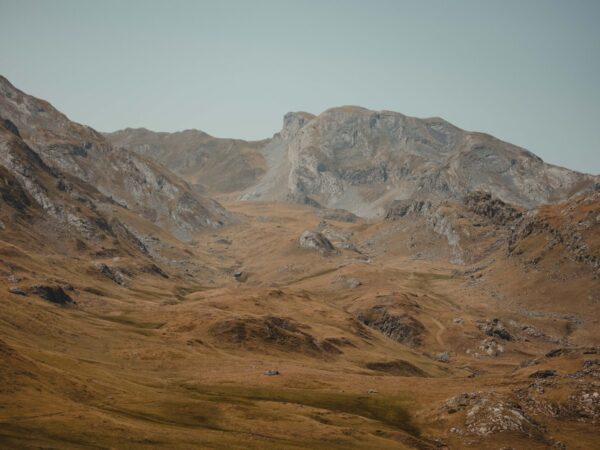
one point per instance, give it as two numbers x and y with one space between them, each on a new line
365 280
128 179
359 160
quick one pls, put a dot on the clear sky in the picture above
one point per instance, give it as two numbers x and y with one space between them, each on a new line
526 71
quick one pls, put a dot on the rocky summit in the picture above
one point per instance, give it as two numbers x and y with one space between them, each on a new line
361 160
361 279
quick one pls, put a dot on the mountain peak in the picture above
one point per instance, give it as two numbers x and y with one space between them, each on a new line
293 121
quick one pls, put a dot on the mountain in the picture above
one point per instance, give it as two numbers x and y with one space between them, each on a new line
137 183
361 160
45 209
207 163
135 312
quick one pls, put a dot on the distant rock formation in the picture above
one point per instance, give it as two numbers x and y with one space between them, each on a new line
362 160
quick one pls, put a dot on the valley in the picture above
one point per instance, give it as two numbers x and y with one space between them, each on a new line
361 280
181 362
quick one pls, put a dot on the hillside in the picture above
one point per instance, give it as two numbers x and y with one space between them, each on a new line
136 312
137 183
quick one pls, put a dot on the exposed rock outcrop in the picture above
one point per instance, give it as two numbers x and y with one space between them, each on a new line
275 332
494 209
356 159
491 347
53 294
113 273
572 225
489 413
436 218
543 373
312 240
496 328
401 328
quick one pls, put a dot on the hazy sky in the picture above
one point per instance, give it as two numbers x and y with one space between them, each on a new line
525 71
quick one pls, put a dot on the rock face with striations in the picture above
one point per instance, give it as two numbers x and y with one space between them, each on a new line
141 185
361 160
32 191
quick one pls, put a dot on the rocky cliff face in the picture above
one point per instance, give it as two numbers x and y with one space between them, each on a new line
546 239
362 160
41 205
137 183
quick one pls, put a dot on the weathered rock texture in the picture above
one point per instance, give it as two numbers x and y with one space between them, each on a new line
361 160
312 240
137 183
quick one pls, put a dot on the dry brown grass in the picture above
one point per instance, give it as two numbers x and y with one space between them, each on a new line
178 363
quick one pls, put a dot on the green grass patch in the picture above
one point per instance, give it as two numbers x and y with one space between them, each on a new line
390 410
200 414
124 320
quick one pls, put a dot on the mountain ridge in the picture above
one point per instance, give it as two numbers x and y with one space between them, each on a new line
136 312
139 183
306 114
361 160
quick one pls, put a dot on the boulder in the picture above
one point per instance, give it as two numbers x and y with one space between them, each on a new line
312 240
443 357
240 276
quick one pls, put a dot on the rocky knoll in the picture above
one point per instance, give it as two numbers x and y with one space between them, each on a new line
493 209
316 241
136 183
572 227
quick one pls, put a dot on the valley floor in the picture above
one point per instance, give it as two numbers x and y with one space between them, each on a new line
375 347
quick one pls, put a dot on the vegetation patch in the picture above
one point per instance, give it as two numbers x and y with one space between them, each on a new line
389 410
399 367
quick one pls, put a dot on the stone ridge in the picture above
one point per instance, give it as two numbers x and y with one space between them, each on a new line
360 160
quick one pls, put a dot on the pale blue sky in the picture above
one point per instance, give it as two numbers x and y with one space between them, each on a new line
525 71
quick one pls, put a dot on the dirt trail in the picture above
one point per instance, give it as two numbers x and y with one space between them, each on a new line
438 334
